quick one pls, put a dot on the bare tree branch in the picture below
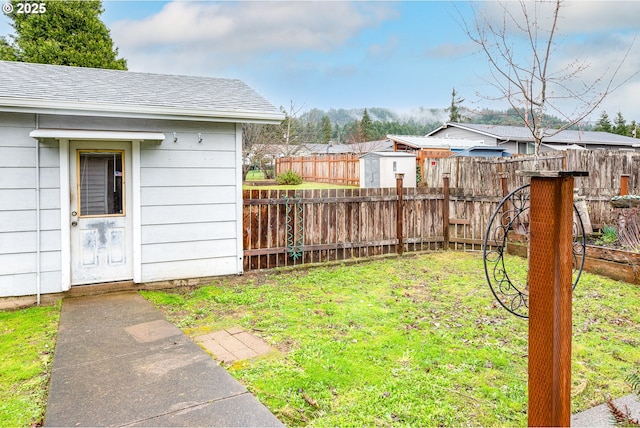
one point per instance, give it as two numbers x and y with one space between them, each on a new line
525 77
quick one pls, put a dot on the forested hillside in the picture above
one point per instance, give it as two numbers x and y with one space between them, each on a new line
368 124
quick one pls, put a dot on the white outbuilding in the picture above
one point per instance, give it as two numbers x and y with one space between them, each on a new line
111 176
379 169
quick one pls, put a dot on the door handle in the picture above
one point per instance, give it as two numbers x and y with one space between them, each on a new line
74 223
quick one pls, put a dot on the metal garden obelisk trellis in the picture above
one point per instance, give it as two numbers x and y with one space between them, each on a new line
554 255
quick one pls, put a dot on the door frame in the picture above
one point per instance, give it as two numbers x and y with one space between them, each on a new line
65 206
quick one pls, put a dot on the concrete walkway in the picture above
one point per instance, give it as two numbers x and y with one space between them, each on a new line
118 362
599 416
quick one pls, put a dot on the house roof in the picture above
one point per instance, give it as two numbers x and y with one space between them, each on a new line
90 91
521 133
564 147
389 155
484 148
356 148
435 142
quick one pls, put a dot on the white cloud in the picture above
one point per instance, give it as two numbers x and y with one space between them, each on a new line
590 16
575 17
235 32
592 39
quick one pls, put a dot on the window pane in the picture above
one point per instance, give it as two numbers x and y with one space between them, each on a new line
100 183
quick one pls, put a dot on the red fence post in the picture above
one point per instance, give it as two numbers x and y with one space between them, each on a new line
624 184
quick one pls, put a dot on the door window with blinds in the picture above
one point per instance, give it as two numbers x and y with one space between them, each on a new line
100 178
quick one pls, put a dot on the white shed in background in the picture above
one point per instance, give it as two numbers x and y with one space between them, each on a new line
378 169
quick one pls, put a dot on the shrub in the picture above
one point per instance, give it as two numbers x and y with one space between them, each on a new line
289 178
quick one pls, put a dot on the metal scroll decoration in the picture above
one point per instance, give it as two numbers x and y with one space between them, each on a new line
510 223
295 227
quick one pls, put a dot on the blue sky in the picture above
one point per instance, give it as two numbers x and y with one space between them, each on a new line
401 55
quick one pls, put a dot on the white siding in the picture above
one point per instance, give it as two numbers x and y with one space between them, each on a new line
188 203
18 240
188 200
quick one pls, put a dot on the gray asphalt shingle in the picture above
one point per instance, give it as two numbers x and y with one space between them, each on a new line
71 85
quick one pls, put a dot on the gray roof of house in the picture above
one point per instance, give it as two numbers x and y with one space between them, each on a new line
40 87
521 133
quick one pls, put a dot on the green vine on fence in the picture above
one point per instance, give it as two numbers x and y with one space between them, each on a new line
295 219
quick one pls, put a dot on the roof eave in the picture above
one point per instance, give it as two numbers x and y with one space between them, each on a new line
17 105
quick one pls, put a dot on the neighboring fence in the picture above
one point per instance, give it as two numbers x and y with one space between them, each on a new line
481 177
335 169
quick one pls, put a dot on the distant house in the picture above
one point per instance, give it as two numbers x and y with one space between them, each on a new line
350 148
439 147
519 139
119 176
432 147
484 152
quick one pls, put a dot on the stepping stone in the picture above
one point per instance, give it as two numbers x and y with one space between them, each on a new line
233 344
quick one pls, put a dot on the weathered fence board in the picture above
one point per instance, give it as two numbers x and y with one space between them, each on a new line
340 224
351 223
480 177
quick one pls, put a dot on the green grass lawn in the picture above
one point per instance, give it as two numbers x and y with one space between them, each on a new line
303 186
405 341
257 176
414 341
27 342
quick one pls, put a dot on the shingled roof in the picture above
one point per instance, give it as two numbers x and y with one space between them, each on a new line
521 133
46 88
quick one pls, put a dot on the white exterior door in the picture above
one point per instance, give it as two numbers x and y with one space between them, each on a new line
101 225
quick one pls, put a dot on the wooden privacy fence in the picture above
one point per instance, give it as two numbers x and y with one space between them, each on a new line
335 169
285 228
481 177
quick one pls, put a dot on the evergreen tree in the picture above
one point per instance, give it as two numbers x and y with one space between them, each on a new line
365 126
6 51
620 127
66 33
455 115
603 124
326 129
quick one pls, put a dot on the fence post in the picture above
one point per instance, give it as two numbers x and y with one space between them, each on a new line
550 282
399 214
504 184
445 209
624 184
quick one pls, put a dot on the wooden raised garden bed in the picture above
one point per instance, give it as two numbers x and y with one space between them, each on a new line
613 263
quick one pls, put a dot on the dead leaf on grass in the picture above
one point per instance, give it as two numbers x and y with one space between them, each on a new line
579 389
